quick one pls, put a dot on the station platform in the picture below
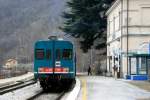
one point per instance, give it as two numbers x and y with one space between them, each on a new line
108 88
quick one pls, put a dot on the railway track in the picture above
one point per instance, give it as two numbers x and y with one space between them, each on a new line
29 91
55 93
47 96
36 95
15 86
52 94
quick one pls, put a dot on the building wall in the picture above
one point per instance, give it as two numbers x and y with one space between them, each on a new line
138 29
135 43
139 18
113 23
113 32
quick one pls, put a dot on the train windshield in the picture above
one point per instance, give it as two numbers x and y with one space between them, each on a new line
39 54
67 54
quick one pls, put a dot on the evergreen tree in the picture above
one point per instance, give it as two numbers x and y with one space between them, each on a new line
86 19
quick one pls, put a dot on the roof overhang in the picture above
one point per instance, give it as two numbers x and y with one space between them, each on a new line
112 7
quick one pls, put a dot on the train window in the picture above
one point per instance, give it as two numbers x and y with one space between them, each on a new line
58 54
67 54
48 54
39 53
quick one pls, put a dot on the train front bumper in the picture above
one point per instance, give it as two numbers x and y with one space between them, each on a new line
54 75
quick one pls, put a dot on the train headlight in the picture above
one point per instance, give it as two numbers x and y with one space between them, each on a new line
45 69
40 70
65 69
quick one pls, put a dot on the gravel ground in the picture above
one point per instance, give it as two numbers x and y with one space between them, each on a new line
23 93
31 90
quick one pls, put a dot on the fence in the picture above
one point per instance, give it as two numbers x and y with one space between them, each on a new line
20 69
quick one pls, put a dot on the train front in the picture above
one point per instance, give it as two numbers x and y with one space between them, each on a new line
54 63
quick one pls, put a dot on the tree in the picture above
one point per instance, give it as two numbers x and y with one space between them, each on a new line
86 19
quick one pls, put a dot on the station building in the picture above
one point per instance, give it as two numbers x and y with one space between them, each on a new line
10 63
128 39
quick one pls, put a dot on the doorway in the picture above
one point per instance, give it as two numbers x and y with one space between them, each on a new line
148 63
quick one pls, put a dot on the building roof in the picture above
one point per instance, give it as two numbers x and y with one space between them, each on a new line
9 60
112 7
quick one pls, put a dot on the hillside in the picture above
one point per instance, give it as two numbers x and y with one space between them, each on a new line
22 22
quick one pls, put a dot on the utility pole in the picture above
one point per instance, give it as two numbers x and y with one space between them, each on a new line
127 33
91 56
83 62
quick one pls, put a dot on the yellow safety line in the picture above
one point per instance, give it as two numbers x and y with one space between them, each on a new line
84 90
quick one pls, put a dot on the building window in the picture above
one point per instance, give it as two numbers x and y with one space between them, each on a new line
117 22
111 27
114 25
119 26
108 28
113 36
142 65
145 16
133 62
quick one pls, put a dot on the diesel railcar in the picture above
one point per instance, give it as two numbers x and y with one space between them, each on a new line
54 62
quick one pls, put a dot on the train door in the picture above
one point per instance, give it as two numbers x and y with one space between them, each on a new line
49 55
58 56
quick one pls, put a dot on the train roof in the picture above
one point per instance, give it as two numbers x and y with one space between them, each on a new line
42 41
53 40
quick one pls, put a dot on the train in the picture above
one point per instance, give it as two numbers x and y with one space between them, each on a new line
54 62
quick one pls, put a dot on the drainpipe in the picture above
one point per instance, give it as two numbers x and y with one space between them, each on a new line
127 34
121 24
